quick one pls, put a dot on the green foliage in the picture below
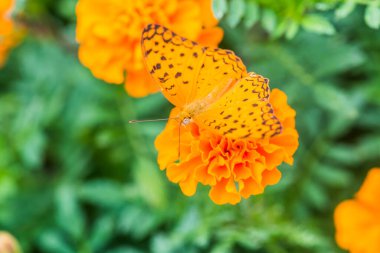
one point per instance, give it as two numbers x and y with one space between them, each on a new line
76 177
284 18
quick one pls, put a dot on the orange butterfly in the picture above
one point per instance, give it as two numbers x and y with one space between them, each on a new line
210 85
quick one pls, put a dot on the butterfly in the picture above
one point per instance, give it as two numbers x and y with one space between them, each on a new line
211 86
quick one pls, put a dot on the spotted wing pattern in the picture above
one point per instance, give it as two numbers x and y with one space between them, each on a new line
243 112
220 68
173 61
185 70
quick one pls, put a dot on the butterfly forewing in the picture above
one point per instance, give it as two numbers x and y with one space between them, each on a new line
172 61
220 68
185 70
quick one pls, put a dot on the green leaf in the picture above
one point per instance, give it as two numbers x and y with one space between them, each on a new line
32 148
103 193
189 222
223 247
67 8
324 6
332 176
338 101
102 233
315 194
68 209
345 9
8 188
253 238
292 30
150 184
318 24
235 12
251 15
53 242
137 221
372 16
366 149
269 20
344 154
161 243
280 29
219 8
124 249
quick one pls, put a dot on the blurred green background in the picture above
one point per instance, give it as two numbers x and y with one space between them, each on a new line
76 177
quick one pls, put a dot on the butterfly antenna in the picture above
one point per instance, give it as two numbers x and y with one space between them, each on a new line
148 120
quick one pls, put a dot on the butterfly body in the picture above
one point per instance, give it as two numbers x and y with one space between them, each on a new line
196 107
210 85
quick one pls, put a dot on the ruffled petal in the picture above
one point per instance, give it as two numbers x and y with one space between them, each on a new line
224 192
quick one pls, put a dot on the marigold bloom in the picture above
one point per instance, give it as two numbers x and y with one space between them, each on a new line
109 34
232 168
8 244
357 221
8 35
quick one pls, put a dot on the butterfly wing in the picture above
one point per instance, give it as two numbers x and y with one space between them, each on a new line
185 70
173 61
243 112
220 68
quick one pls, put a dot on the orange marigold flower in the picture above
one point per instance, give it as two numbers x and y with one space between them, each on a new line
8 244
8 34
232 168
109 34
357 221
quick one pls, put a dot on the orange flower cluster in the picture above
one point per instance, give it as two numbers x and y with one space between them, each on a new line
357 220
8 36
232 168
109 34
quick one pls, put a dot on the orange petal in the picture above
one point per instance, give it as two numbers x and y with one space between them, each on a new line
140 84
219 169
271 177
220 195
250 187
354 224
211 36
241 171
204 177
207 15
369 192
165 144
177 173
188 186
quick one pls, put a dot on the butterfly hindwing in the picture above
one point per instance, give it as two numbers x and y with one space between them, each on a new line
243 112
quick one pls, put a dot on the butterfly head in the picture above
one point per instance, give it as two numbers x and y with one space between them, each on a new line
186 121
185 118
